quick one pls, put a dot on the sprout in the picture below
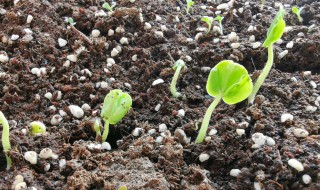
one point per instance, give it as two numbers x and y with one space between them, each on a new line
5 139
228 81
108 7
219 19
209 21
97 128
178 65
115 106
274 33
37 128
189 4
297 11
123 187
71 21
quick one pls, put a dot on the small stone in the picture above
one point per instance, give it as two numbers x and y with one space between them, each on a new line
62 42
240 132
306 74
181 135
159 139
223 6
296 164
46 153
280 41
289 45
47 167
157 108
76 111
259 99
311 109
270 141
137 131
286 117
63 113
158 81
114 52
24 131
313 84
31 156
232 37
151 131
288 29
235 45
205 69
29 19
306 179
212 132
120 29
235 172
110 32
252 38
301 34
256 45
95 33
181 113
158 18
105 146
300 133
294 79
134 57
158 33
251 28
204 157
124 40
48 95
110 61
198 35
86 107
163 28
4 58
14 37
62 164
56 119
240 10
72 58
147 26
282 54
162 127
259 139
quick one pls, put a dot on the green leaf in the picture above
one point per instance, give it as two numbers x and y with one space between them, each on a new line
295 10
218 18
107 6
178 63
230 81
37 128
207 19
276 29
115 106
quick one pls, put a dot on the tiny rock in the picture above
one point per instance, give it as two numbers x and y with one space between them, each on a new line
137 132
158 33
240 132
270 141
204 157
232 37
29 19
158 81
62 42
162 127
306 179
134 57
95 33
72 58
282 54
212 132
76 111
313 84
296 164
56 119
31 156
110 32
147 26
259 139
157 108
300 133
235 45
223 6
124 40
105 146
289 45
235 172
4 58
286 117
114 52
181 135
151 131
14 37
181 113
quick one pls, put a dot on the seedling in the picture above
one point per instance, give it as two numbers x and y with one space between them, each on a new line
108 7
37 128
178 65
189 4
228 81
274 33
115 106
5 139
97 128
297 11
209 21
71 21
219 19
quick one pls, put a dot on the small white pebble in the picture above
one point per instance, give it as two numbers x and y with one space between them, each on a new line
306 179
86 107
31 156
311 109
114 52
286 117
128 85
301 34
110 61
95 33
296 164
198 35
240 10
20 186
251 28
105 146
124 40
235 172
157 108
181 113
188 58
178 8
235 45
62 164
256 45
216 40
120 29
62 42
259 139
282 54
134 57
307 74
158 81
48 95
56 119
240 132
24 131
158 18
104 85
313 84
280 41
270 141
66 63
212 132
159 139
203 157
163 28
118 48
252 38
232 37
223 6
162 127
151 131
29 19
300 133
257 186
4 58
289 45
158 33
137 132
205 69
62 113
46 153
72 58
47 167
177 20
294 79
76 111
288 29
203 7
110 32
147 26
14 37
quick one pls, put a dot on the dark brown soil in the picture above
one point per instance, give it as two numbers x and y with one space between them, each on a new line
141 162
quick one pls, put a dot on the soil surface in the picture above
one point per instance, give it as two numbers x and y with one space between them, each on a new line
39 83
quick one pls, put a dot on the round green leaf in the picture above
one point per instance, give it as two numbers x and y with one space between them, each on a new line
230 81
276 29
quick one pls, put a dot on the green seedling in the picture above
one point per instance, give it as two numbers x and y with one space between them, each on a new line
274 33
209 21
178 66
37 128
5 139
97 128
189 4
297 11
123 187
108 7
71 21
115 106
219 19
228 81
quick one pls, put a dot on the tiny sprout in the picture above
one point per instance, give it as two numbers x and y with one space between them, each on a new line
189 4
108 7
37 128
228 81
178 65
115 106
71 21
274 33
209 21
5 139
97 128
123 187
297 11
219 19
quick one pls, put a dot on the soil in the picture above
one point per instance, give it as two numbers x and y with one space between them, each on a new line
144 162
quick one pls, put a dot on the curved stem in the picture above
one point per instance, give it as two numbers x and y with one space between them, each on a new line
105 131
263 75
174 83
5 139
206 120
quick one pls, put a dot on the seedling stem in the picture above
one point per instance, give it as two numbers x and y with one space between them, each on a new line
5 139
177 66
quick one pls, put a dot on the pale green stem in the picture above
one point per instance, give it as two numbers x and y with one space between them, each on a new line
106 131
221 30
263 75
299 18
174 83
206 120
5 139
